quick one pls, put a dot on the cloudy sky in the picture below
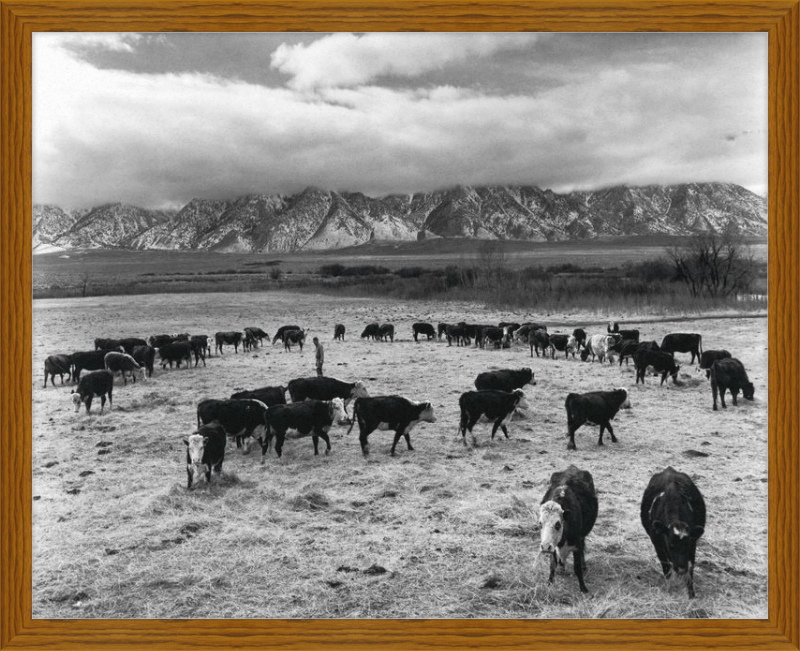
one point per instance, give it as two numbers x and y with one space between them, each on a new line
158 119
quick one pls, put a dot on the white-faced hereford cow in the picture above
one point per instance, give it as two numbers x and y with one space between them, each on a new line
661 362
91 385
205 450
681 342
489 406
310 418
230 337
241 419
389 413
729 375
597 407
567 514
60 365
124 363
504 380
673 514
325 388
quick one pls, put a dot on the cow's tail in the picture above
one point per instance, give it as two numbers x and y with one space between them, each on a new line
700 343
355 415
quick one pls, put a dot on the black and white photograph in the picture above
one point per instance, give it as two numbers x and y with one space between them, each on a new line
399 325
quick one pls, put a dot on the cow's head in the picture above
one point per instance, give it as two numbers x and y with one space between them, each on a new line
141 371
585 354
626 403
528 373
359 390
522 401
749 391
680 539
551 518
76 400
195 446
338 415
426 412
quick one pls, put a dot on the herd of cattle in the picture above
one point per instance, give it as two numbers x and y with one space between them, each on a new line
672 508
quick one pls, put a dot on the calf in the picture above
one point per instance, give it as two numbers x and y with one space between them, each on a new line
177 351
680 342
241 419
729 374
504 380
458 334
296 337
708 357
441 330
386 331
338 332
91 385
198 347
661 362
567 514
281 333
564 344
313 417
597 407
230 337
254 333
539 339
489 407
371 331
627 348
580 336
90 360
389 413
60 365
268 395
123 363
145 356
673 514
202 341
423 329
205 450
326 388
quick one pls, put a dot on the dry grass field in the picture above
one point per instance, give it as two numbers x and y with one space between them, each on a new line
445 531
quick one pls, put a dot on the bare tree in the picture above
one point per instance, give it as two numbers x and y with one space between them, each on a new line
492 262
85 282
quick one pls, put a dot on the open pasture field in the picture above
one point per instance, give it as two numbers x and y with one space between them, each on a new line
444 531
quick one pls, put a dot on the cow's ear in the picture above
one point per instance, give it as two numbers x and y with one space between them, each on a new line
659 528
186 442
696 531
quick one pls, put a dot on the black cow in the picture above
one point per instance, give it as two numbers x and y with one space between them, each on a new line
254 333
729 374
90 360
127 343
389 413
325 388
457 333
386 331
649 345
281 333
423 329
626 348
203 339
198 350
240 418
313 417
156 341
597 407
338 332
661 362
492 334
91 385
504 380
371 331
296 337
490 407
624 334
145 356
205 450
674 516
564 344
708 357
539 339
681 342
580 336
123 363
441 329
567 514
268 395
60 365
230 337
177 351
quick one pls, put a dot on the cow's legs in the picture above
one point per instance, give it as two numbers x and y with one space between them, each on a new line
362 438
722 397
324 436
505 431
602 429
663 557
578 565
611 432
735 394
571 434
315 440
552 568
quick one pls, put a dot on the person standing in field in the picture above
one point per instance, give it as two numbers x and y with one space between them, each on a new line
320 357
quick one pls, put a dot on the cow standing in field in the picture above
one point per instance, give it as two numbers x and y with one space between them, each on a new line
600 346
60 365
539 340
371 331
441 330
597 407
281 333
294 337
92 385
145 356
201 341
231 337
338 332
580 336
386 332
124 363
504 380
423 329
205 451
491 334
566 344
90 360
626 348
673 514
681 342
254 334
198 350
708 357
729 374
127 344
241 419
457 333
623 334
326 388
661 362
490 406
177 352
389 413
156 341
268 395
567 515
310 418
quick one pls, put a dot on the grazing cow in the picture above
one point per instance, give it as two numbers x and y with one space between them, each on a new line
313 417
386 331
177 351
729 374
205 450
673 514
231 337
371 331
156 341
60 365
441 330
458 334
600 346
145 356
567 514
489 407
241 419
326 388
253 333
708 357
564 344
539 339
90 360
626 348
281 333
597 407
423 329
91 385
681 342
580 336
661 362
492 334
124 363
389 413
268 395
297 337
338 332
504 380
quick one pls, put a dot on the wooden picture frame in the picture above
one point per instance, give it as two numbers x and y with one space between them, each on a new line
780 18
